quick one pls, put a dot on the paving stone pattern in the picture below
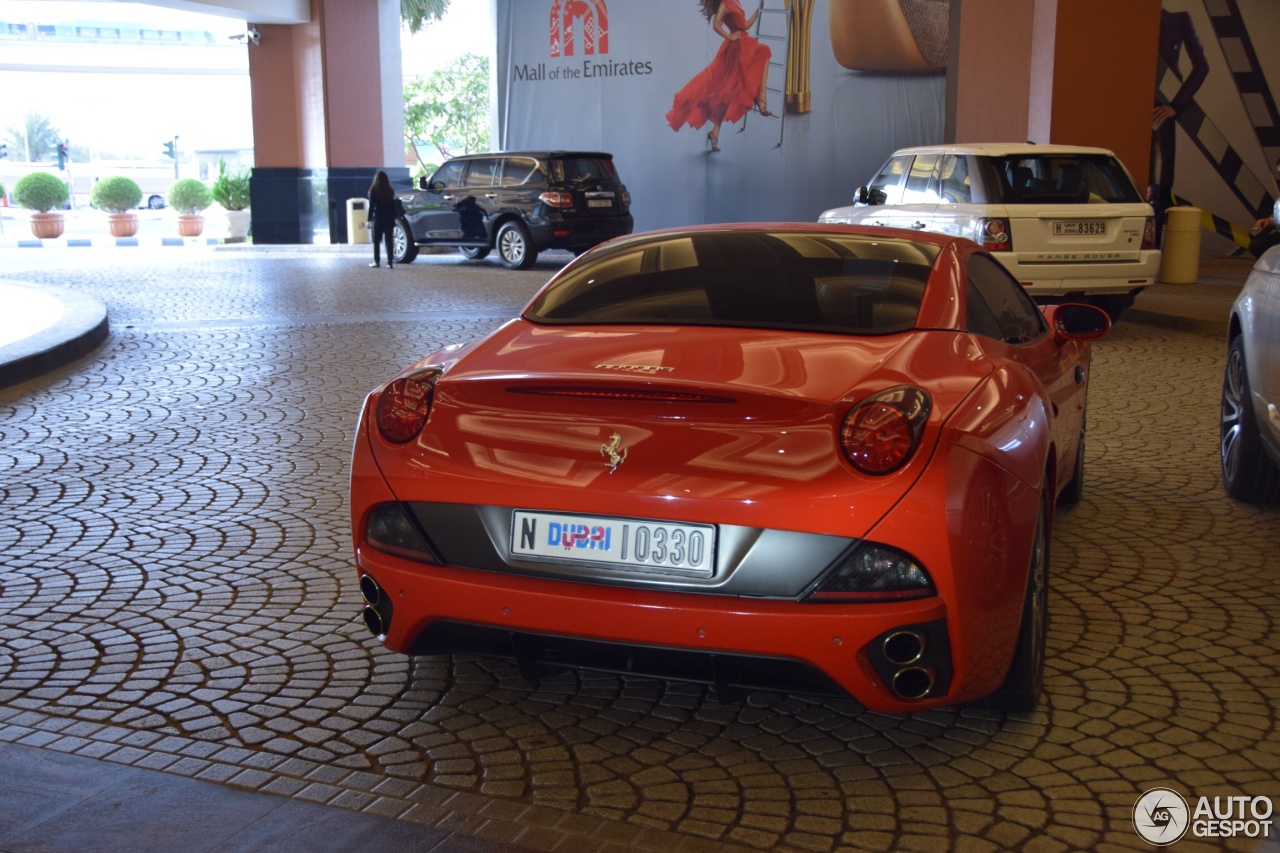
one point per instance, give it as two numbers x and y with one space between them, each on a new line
177 593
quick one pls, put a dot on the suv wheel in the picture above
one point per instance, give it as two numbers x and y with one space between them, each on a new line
514 248
403 249
1248 474
474 253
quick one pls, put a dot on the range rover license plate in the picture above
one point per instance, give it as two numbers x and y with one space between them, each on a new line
1079 228
686 549
599 202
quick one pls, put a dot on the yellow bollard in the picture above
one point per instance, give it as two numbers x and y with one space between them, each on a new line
1180 251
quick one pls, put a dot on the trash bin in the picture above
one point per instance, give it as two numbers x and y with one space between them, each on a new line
357 215
1180 251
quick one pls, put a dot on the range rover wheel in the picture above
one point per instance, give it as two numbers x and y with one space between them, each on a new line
403 249
474 253
514 248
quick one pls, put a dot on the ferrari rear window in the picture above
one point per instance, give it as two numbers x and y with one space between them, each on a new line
811 281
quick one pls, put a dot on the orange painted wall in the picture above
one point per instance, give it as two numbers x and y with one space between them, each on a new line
285 77
1074 72
1104 77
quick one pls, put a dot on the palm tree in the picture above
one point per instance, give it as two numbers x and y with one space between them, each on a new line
36 138
416 14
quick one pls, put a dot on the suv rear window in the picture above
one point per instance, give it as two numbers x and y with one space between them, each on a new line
582 170
845 284
1059 179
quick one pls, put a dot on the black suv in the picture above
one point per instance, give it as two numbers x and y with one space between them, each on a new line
520 203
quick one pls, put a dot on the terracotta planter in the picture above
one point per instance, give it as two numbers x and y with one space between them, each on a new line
122 224
190 224
237 225
47 225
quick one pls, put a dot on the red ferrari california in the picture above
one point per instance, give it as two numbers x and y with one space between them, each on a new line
794 456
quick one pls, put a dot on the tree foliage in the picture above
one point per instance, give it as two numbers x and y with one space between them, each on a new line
416 14
35 140
448 112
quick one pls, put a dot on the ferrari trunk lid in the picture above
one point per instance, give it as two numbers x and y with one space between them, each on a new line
705 424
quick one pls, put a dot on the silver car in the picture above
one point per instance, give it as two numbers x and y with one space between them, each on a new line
1250 433
1067 222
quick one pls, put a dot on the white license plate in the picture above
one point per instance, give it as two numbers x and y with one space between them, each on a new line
1079 228
599 202
686 549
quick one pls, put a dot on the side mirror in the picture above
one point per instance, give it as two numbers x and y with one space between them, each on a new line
861 197
1073 321
423 182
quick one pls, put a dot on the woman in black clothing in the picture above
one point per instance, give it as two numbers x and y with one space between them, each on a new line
382 216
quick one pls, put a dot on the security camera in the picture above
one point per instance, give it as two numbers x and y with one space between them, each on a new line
250 35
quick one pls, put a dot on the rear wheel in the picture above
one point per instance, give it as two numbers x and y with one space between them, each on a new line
155 202
1022 687
403 249
514 247
474 253
1248 474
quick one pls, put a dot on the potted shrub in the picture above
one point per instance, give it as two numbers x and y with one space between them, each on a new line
42 192
231 191
119 197
189 197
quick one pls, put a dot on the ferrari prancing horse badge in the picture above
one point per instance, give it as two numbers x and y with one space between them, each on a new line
612 449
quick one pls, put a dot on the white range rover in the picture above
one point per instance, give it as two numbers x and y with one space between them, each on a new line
1067 222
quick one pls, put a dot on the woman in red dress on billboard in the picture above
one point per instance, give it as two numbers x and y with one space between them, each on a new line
733 83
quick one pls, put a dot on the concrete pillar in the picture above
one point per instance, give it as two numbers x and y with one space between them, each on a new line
1074 72
327 114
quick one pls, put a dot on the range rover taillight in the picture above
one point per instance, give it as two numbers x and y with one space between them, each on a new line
994 235
1149 233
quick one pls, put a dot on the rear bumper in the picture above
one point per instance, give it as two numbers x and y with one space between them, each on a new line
433 609
558 232
1086 278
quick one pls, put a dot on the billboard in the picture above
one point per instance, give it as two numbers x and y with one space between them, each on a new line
719 112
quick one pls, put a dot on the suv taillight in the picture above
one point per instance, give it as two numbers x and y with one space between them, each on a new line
551 199
994 235
1149 233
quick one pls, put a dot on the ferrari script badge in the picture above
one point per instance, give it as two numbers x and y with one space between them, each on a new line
611 450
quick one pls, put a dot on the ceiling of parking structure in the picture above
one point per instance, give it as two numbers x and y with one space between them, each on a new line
253 11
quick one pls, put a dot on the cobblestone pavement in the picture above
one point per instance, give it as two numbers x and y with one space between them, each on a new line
177 593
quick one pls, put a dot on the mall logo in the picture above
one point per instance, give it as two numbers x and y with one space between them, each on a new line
588 17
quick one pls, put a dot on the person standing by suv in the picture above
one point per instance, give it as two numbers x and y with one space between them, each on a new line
382 216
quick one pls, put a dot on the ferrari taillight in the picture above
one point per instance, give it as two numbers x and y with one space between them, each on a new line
882 432
873 573
403 406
